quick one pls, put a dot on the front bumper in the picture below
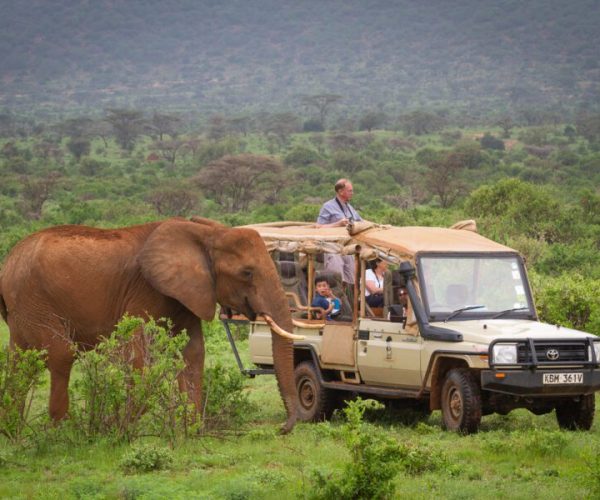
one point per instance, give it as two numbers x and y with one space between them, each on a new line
530 382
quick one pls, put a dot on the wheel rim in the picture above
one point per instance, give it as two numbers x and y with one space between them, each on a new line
307 394
455 404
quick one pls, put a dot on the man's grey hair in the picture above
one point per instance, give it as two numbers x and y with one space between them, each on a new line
341 184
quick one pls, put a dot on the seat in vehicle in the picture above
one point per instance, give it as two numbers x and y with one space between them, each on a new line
293 281
335 283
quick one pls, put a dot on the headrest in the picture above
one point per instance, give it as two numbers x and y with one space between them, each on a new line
288 269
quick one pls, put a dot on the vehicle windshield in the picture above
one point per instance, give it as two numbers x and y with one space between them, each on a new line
474 286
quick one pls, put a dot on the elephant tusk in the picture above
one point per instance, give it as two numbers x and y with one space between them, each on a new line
302 324
280 331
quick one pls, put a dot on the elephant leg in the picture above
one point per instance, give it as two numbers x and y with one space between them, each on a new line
136 350
190 380
59 365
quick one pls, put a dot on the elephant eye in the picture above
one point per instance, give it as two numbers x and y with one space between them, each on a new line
247 274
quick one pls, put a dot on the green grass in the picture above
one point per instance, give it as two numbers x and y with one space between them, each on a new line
516 456
258 463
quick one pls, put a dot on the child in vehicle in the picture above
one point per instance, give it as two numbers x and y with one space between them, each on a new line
325 299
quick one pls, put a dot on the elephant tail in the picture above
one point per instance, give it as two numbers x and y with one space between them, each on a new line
3 310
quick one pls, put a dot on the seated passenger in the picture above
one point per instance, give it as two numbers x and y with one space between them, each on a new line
403 299
374 283
325 299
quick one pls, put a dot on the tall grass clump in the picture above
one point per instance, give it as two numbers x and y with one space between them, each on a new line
20 376
591 476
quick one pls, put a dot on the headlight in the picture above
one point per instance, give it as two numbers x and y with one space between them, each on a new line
504 354
596 350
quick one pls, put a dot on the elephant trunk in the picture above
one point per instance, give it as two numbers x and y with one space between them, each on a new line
283 360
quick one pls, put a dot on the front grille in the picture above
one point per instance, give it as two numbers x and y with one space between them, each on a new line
567 352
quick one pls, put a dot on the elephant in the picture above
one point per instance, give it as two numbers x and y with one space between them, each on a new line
69 285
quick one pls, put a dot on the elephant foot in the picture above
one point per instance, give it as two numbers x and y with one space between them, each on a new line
288 426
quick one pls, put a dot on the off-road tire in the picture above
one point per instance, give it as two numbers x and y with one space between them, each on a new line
577 415
461 402
316 403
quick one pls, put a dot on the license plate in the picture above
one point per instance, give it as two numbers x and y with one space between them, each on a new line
563 378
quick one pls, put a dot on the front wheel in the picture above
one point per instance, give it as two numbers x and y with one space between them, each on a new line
577 415
461 402
316 402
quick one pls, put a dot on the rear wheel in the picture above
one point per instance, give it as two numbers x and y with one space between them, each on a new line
461 402
577 415
316 402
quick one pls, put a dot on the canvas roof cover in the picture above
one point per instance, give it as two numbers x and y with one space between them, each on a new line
403 242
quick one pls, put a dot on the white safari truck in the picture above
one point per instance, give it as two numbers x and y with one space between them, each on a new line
466 341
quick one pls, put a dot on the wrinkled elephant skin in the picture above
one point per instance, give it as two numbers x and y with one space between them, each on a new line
73 284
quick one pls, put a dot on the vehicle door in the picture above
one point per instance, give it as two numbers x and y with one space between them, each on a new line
388 354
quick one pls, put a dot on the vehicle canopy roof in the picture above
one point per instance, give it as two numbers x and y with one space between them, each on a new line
395 243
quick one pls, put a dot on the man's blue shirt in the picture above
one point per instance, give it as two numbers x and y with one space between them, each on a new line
331 211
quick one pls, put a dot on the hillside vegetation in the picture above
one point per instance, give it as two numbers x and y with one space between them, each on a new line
263 54
536 190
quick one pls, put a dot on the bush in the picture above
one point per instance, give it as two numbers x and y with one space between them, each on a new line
145 459
569 300
20 374
375 460
301 156
488 141
313 126
225 402
112 398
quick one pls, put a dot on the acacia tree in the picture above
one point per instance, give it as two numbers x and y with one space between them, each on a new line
506 123
322 103
161 124
35 192
78 147
173 201
235 181
444 176
126 124
280 127
371 120
168 150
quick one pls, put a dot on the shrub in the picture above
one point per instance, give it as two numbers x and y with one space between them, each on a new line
569 300
313 126
118 400
488 141
225 402
375 460
301 156
146 458
20 374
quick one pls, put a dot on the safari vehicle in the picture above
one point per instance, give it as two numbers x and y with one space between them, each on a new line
468 341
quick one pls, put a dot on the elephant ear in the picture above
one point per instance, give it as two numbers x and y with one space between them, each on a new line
206 222
176 262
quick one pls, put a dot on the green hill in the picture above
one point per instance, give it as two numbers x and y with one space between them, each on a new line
261 54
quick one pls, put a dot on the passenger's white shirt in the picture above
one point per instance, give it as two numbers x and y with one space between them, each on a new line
371 276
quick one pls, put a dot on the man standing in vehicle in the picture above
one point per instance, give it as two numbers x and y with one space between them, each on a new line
338 212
